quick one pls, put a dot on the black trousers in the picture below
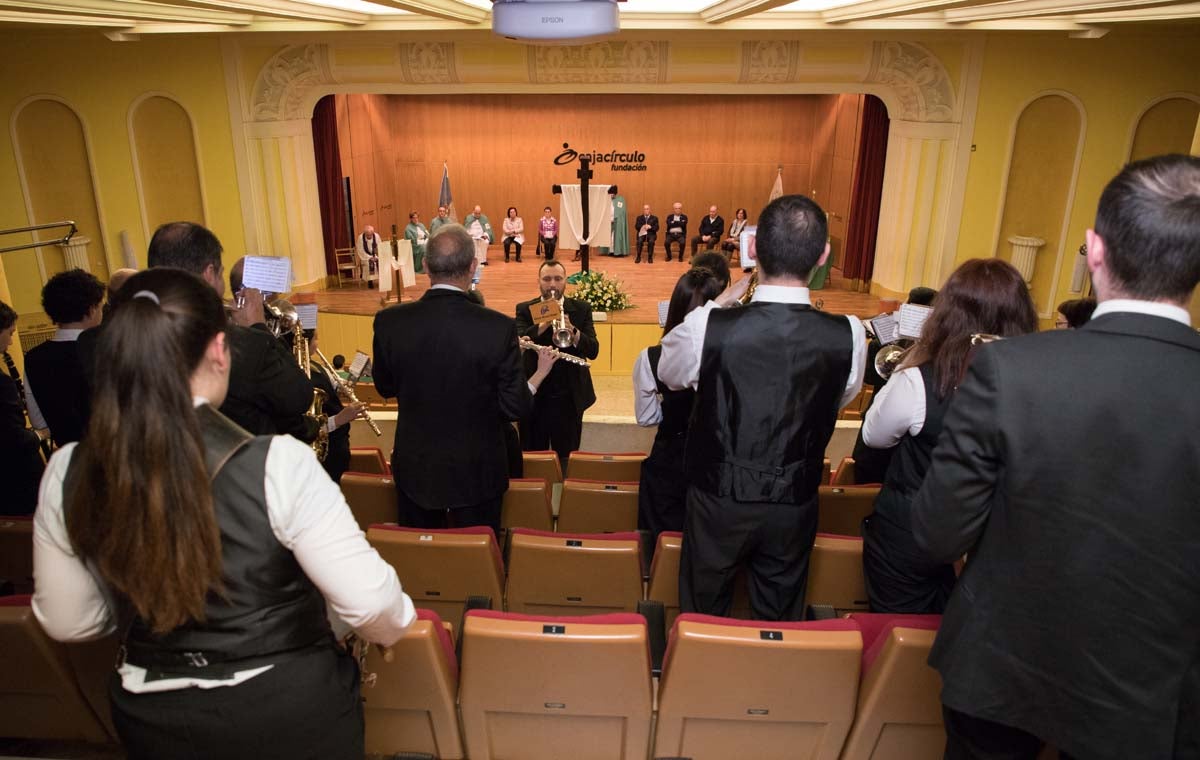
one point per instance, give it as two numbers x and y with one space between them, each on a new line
554 423
548 245
674 239
773 541
697 241
971 738
662 491
306 706
337 459
412 515
900 577
646 241
511 242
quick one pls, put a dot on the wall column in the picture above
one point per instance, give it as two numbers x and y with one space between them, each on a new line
917 190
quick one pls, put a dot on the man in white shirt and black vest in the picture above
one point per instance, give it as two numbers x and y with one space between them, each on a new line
769 378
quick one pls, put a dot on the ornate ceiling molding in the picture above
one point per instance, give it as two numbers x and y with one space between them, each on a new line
918 79
280 93
769 61
428 63
622 62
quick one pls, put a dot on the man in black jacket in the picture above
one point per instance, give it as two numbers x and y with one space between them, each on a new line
676 229
455 369
556 421
712 227
646 229
1068 470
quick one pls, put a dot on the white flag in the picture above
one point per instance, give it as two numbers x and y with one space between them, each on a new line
777 188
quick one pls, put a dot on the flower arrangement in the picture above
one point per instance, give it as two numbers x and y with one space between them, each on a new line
601 292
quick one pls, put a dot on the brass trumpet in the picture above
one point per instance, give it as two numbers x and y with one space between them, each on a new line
562 336
346 388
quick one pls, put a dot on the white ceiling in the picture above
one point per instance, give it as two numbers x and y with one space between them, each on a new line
118 18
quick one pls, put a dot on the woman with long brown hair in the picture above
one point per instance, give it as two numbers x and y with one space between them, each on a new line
210 551
983 296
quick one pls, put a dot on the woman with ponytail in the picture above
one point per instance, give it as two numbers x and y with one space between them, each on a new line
663 487
212 552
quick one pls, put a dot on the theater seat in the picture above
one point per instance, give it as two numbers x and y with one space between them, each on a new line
764 690
537 687
16 551
372 498
39 696
527 505
440 569
594 506
612 468
411 704
899 714
842 508
664 574
542 464
573 573
835 574
369 460
845 473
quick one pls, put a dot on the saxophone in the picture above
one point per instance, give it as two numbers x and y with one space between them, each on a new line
287 320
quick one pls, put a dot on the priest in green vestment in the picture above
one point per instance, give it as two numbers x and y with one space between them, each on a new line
480 229
416 234
620 228
443 217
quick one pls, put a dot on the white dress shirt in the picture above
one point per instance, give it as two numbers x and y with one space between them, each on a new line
1151 308
308 515
898 409
647 405
679 366
61 335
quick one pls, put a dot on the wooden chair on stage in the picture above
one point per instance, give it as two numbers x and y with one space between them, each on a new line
347 265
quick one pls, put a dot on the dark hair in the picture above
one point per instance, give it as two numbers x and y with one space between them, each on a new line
8 316
235 274
745 214
1077 311
922 296
512 209
551 263
696 287
141 511
411 214
1149 220
791 236
186 246
981 296
548 209
339 361
449 252
716 263
69 296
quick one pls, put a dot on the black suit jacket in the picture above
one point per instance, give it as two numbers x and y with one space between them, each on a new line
455 369
651 220
20 460
564 377
681 223
1069 468
713 227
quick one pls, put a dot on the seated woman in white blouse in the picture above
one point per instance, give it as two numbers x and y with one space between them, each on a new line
663 491
981 296
211 552
514 232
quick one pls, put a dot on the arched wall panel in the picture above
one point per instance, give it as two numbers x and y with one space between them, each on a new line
168 170
1168 126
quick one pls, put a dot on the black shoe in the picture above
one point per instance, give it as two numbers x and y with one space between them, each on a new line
650 260
518 259
505 259
638 260
668 257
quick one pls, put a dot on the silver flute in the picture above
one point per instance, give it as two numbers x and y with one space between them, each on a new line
526 344
348 389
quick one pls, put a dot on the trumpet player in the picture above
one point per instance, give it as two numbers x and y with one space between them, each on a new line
981 296
556 420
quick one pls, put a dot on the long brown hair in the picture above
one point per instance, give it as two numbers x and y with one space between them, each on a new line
140 506
981 296
695 287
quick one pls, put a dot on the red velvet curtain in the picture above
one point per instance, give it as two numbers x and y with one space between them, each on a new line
329 180
859 261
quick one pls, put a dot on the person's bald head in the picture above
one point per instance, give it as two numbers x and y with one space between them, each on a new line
117 279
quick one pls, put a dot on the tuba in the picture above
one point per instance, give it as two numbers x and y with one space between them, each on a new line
285 320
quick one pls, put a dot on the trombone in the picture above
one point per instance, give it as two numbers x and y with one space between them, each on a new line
346 388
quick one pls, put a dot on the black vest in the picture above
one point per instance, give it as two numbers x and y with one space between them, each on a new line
676 405
912 455
268 605
60 388
771 379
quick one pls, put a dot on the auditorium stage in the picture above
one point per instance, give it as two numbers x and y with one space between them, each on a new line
504 285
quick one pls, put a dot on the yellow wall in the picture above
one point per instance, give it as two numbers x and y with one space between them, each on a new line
100 80
1114 78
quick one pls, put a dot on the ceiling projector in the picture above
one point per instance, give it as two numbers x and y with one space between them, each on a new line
550 21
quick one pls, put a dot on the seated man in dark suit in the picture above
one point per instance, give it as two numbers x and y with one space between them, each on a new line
676 229
57 387
1068 470
712 227
646 229
556 421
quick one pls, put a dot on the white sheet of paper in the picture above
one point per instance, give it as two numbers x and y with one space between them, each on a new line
308 315
912 319
358 365
270 274
663 306
886 328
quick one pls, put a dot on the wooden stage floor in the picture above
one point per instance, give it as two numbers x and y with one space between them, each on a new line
504 285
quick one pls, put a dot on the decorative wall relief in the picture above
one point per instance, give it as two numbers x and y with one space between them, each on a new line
286 80
633 62
769 61
917 78
428 63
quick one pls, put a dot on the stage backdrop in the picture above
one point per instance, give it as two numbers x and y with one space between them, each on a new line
697 149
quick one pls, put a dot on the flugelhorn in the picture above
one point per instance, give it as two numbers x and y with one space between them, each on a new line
348 389
889 357
562 335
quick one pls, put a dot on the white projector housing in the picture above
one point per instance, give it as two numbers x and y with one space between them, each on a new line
554 20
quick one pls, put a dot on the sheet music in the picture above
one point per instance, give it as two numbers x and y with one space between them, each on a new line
663 306
912 319
358 366
307 312
270 274
886 328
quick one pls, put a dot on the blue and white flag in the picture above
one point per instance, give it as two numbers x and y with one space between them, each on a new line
445 198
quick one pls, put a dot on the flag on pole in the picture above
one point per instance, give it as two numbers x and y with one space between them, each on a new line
777 188
444 197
